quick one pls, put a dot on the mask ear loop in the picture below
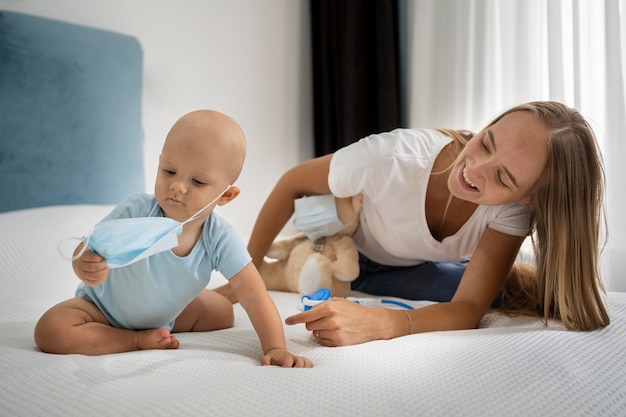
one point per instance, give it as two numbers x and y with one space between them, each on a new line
197 214
356 216
82 250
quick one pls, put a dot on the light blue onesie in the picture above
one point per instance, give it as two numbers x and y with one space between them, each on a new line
151 293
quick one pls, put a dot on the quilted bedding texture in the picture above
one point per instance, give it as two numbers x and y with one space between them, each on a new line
511 366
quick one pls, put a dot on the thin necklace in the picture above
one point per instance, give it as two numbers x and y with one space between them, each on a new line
445 212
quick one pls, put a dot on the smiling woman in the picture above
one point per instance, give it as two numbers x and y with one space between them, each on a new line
571 52
564 162
489 169
493 189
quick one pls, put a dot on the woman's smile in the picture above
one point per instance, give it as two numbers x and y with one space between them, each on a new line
467 180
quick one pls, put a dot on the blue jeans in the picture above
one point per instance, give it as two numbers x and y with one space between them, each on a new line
433 281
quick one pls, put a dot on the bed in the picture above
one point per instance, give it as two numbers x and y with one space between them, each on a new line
511 366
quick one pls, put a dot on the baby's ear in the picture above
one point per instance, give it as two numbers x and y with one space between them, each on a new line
525 201
229 195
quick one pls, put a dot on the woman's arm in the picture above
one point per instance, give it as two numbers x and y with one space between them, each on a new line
342 322
307 178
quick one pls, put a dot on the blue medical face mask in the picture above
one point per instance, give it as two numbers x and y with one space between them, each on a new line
125 241
316 216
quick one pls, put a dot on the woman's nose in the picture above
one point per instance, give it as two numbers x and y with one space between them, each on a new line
475 171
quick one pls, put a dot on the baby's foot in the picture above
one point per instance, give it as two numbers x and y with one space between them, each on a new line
157 339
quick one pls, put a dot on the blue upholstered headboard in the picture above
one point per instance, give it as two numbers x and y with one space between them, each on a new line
70 114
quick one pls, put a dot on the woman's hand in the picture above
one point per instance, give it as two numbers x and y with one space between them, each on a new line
339 322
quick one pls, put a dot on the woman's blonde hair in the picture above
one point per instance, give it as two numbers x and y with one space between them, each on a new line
567 216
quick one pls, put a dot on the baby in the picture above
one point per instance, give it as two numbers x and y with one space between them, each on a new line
139 305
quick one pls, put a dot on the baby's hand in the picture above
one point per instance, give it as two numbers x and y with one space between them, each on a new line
282 357
91 268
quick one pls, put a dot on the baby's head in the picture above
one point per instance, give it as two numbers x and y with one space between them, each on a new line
216 136
202 155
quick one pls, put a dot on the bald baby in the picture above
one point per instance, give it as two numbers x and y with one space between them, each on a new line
211 135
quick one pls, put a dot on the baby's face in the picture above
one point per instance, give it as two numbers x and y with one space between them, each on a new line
193 168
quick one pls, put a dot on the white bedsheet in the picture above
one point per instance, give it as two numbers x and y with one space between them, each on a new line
508 367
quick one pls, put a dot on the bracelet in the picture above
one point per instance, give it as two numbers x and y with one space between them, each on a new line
408 317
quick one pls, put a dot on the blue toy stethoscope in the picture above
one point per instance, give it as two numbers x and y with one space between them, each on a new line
323 294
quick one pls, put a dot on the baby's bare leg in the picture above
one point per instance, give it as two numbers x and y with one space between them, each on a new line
208 311
78 326
227 291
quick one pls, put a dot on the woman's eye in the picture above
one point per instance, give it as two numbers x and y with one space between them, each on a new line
483 144
500 180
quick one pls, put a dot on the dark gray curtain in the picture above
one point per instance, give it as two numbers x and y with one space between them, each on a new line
356 70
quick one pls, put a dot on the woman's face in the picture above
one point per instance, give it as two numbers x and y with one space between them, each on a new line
502 163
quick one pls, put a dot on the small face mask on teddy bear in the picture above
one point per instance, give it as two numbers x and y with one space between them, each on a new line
316 216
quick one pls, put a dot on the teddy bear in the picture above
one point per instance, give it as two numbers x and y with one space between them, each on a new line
303 265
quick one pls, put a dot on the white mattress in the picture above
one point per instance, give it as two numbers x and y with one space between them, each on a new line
508 367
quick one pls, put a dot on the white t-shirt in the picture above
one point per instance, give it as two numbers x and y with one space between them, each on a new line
392 170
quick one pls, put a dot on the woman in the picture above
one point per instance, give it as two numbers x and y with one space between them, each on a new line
444 215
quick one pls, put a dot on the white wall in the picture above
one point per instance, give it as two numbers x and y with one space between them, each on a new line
247 58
